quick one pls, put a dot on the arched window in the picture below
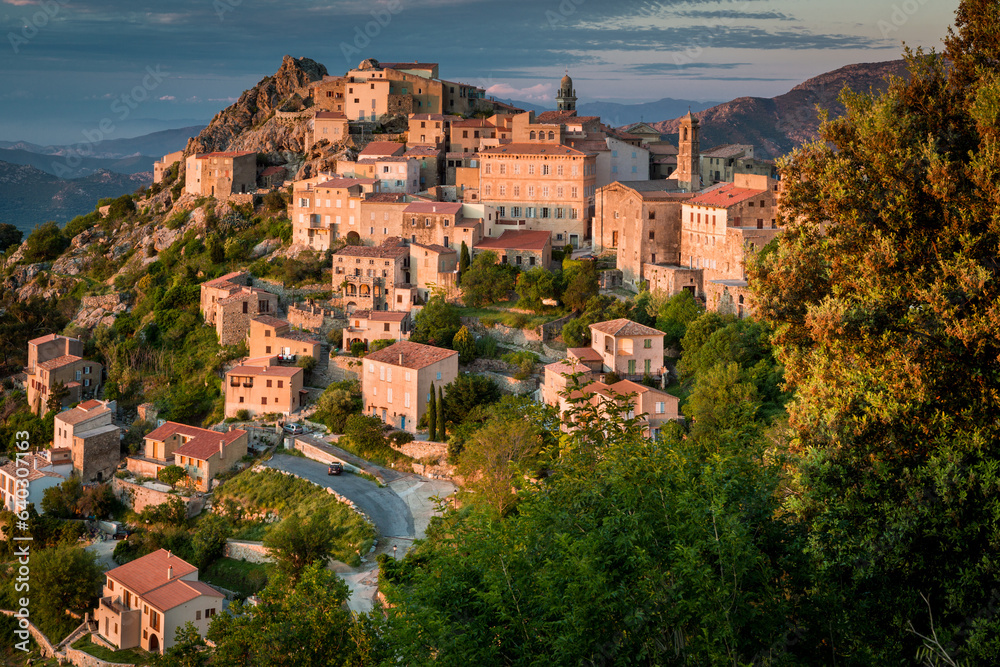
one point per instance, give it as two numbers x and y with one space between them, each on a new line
552 135
532 135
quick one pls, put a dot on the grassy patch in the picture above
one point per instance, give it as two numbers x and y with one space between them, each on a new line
130 655
501 313
251 532
236 575
269 490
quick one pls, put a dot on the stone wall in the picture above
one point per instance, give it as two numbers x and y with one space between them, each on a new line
289 294
422 449
550 330
97 456
310 318
139 497
251 552
509 385
81 659
44 645
241 198
105 301
528 338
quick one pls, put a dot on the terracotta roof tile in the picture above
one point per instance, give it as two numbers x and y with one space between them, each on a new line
270 321
177 592
150 572
59 362
266 371
391 248
725 196
206 444
341 183
444 208
414 355
624 327
47 338
228 278
382 148
516 240
83 412
532 149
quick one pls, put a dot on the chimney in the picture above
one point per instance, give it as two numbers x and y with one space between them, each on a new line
170 572
400 358
222 449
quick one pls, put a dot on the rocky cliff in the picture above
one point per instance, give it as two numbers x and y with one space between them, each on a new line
777 125
241 126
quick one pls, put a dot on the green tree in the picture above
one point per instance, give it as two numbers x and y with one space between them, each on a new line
534 286
487 281
216 249
338 401
495 459
209 540
45 243
188 650
299 621
306 362
432 414
59 394
467 392
64 578
883 296
11 236
464 260
60 501
171 474
442 435
675 315
436 323
464 344
581 283
296 543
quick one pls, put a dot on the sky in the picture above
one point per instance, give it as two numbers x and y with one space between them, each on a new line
79 70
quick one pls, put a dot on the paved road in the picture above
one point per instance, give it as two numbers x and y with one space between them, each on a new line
391 515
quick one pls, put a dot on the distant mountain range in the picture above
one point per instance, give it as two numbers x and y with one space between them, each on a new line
617 115
29 196
775 126
156 145
67 166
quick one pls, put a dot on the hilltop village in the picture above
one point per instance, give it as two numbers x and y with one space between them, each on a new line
355 296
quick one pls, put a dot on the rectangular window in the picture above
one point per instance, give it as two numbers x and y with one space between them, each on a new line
649 364
648 343
281 384
439 375
406 399
388 395
197 615
659 407
263 400
269 384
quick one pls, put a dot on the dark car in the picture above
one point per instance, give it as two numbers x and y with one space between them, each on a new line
335 468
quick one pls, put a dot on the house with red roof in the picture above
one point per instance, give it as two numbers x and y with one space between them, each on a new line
260 387
221 174
228 303
396 381
524 249
55 360
269 336
203 453
24 480
94 442
146 600
368 326
629 349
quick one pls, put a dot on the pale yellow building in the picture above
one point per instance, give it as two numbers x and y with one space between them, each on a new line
396 381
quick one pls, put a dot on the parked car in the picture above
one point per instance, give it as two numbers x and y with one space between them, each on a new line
294 429
335 468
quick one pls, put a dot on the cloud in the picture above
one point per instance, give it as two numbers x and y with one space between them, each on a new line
539 92
167 98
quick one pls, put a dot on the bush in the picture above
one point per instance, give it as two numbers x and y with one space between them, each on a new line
171 474
486 347
243 415
377 345
358 348
121 207
335 337
45 243
401 437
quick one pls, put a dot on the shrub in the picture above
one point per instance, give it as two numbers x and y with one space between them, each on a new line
45 243
401 437
243 415
335 337
377 345
358 348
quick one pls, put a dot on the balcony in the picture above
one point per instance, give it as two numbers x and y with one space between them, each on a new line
248 383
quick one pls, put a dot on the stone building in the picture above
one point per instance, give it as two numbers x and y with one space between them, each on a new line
331 126
641 222
161 166
369 278
228 303
396 381
199 447
269 336
365 326
93 440
433 268
432 223
221 174
628 348
541 187
688 174
430 165
566 97
260 387
329 210
55 360
523 249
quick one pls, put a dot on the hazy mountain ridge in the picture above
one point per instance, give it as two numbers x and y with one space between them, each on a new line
775 126
155 144
77 167
31 196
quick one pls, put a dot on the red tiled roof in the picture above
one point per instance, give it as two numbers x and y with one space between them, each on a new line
224 154
531 149
273 170
341 183
434 247
427 116
242 293
228 278
177 592
150 572
33 463
83 412
727 151
382 148
413 65
44 339
59 362
725 196
516 240
206 444
567 367
387 198
448 208
391 248
625 327
266 371
170 428
330 115
270 321
386 316
585 353
548 117
411 355
422 151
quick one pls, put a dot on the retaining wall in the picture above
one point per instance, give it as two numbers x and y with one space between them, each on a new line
139 497
251 552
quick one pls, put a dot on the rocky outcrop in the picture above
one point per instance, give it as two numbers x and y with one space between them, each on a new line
231 129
